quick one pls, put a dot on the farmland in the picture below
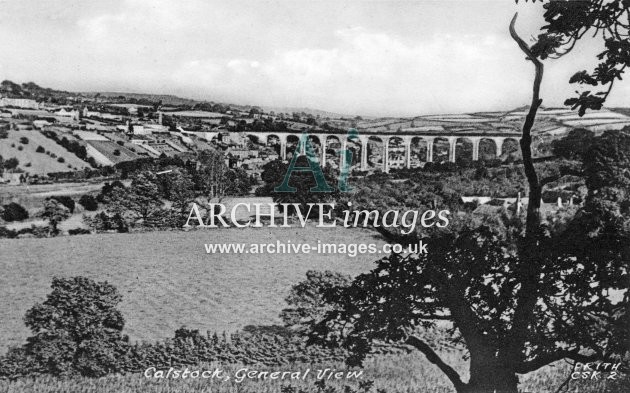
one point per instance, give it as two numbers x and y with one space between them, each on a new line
166 278
40 163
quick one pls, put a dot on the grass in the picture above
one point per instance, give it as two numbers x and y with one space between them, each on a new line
405 373
41 163
166 278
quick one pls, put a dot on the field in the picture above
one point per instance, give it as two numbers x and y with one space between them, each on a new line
32 196
393 373
41 163
166 278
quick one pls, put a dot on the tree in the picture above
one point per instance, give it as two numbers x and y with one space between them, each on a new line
55 212
273 176
574 145
88 202
178 187
210 176
14 212
11 163
139 202
517 305
307 305
77 328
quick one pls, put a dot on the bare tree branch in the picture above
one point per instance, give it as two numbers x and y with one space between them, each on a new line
433 357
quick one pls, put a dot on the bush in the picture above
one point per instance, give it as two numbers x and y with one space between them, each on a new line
61 160
24 140
88 202
14 212
116 152
20 148
40 149
120 143
79 231
7 233
64 200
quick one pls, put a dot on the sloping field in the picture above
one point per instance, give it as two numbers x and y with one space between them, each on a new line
41 163
167 279
107 148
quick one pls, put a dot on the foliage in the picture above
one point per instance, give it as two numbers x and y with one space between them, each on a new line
55 212
273 174
307 306
14 212
64 200
103 222
574 145
404 293
77 329
79 231
138 202
10 163
569 21
88 202
107 190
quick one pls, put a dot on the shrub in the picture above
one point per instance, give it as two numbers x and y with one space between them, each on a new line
107 190
88 202
7 233
120 143
11 163
20 148
116 152
24 140
79 231
40 149
61 160
14 212
64 200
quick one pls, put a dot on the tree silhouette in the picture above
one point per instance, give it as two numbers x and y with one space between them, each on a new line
554 293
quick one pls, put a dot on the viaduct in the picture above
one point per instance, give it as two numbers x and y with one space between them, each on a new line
405 137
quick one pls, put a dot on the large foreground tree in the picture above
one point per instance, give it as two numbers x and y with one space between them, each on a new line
554 293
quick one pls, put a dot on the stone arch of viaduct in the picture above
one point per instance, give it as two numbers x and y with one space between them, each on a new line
407 139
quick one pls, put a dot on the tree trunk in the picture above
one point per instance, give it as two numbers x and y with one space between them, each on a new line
491 380
488 374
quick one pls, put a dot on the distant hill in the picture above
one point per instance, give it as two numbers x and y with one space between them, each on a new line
307 111
166 99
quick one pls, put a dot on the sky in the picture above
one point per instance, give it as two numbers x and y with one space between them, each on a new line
374 58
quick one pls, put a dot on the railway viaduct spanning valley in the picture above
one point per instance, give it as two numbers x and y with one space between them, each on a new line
405 148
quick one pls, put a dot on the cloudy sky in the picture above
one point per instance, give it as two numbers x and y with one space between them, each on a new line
353 57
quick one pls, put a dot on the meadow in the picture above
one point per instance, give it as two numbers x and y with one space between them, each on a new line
166 278
167 281
406 373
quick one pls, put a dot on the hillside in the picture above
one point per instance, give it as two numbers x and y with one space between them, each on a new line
40 163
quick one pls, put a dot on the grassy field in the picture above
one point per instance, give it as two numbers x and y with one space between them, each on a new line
33 196
41 163
166 278
393 373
